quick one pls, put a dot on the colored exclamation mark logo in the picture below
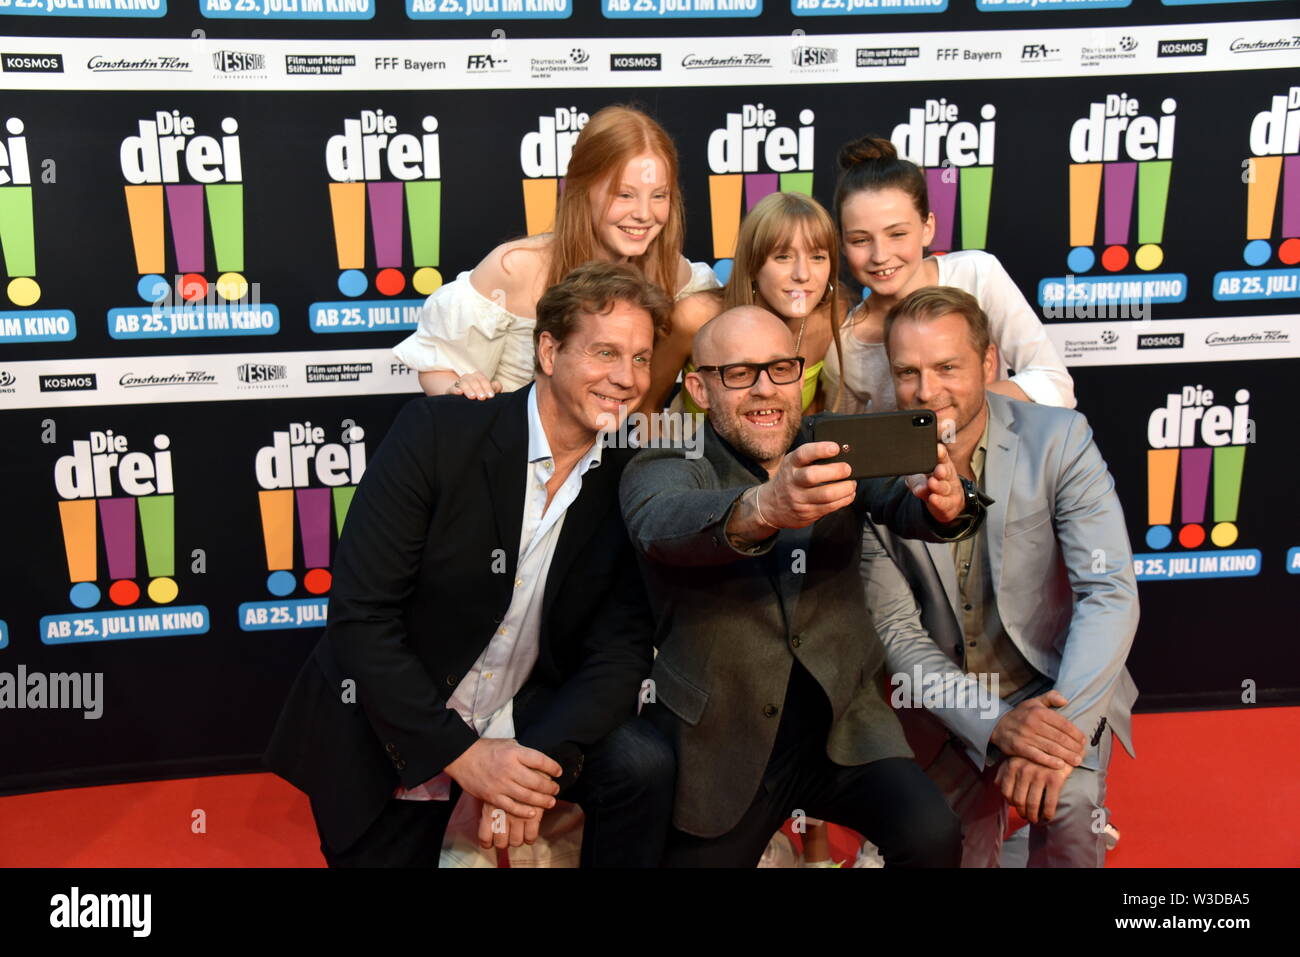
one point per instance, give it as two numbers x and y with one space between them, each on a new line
976 194
348 207
144 208
386 227
17 222
276 506
1153 200
1270 172
1162 476
1192 490
226 214
314 523
1229 465
117 520
81 546
941 183
1085 195
424 219
158 529
724 205
540 199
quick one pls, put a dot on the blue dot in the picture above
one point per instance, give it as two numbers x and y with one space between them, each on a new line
84 594
1159 536
1081 259
281 583
1257 252
352 282
722 269
152 288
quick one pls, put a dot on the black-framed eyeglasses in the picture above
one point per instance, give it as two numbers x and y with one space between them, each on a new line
743 375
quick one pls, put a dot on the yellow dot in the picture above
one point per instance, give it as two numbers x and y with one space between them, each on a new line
1223 534
24 291
1148 257
162 590
231 286
426 280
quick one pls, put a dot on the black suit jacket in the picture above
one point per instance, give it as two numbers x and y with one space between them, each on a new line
423 575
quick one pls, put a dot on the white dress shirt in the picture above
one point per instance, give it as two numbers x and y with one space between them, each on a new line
485 696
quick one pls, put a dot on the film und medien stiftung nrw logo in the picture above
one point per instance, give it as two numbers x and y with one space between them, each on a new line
1121 163
305 486
18 240
544 159
381 171
754 153
1197 457
957 156
1272 227
188 185
118 492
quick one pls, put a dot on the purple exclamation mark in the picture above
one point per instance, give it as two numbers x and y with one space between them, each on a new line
386 227
942 185
314 523
185 209
1117 184
117 519
1193 489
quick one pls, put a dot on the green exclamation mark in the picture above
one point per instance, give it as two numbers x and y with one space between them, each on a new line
342 502
17 236
424 213
226 213
976 189
1153 197
158 529
797 183
1229 465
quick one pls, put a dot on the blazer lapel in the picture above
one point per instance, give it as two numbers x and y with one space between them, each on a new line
999 467
581 519
946 571
505 468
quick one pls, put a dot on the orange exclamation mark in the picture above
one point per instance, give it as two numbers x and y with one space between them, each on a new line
1162 476
79 543
1085 197
277 535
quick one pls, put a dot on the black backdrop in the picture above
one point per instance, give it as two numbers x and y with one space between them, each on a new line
181 703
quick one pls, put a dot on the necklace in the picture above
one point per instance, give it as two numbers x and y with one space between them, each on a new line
799 339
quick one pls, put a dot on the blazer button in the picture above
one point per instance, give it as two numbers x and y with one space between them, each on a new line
451 681
796 641
770 710
400 764
390 748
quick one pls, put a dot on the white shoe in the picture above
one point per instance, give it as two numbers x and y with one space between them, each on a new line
869 856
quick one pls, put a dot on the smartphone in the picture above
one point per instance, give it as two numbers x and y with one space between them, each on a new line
878 444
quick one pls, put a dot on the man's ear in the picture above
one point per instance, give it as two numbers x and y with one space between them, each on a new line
990 364
694 384
546 349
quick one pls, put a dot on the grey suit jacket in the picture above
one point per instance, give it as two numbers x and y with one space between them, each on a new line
729 625
1062 574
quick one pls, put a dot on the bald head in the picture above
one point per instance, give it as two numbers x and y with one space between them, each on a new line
742 334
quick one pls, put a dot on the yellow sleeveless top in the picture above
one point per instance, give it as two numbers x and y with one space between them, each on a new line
810 374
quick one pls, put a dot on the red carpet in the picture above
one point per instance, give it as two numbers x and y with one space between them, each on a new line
1212 789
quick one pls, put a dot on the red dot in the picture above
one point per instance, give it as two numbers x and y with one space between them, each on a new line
124 592
318 581
193 287
1190 536
1289 252
390 282
1114 258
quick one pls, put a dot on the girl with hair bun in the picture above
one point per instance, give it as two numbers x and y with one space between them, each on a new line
785 259
883 209
620 203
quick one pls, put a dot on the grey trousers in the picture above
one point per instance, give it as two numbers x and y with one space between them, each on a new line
1075 837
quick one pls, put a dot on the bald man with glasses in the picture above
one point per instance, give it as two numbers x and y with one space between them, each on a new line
768 675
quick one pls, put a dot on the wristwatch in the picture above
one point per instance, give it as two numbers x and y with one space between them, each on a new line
972 496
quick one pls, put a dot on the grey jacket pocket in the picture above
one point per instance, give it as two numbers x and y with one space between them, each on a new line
677 693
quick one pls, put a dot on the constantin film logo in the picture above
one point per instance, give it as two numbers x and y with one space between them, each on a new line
149 64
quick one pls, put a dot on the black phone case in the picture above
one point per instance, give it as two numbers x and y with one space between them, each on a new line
878 444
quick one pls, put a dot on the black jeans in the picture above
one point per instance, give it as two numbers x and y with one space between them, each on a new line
625 791
890 801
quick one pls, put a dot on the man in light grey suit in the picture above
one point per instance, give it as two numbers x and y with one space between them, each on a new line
1039 608
764 682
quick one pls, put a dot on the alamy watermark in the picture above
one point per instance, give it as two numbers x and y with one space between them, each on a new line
1093 299
662 430
36 690
948 689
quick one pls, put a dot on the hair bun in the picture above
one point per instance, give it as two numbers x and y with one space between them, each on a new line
866 149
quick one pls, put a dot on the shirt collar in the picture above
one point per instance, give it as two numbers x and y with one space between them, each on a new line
981 451
539 449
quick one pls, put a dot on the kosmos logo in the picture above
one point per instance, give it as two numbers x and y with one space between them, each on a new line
1272 228
115 493
755 152
306 483
957 156
1197 457
544 159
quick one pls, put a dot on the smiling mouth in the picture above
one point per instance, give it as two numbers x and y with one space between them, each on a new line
763 418
636 232
885 273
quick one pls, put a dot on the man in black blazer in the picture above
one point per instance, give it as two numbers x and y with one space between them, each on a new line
488 628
